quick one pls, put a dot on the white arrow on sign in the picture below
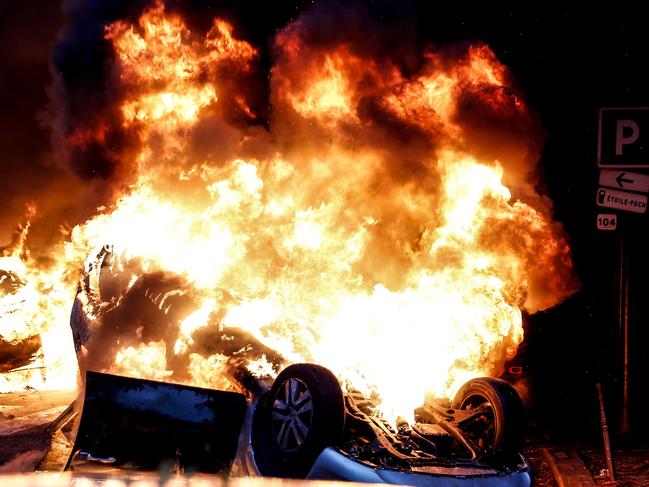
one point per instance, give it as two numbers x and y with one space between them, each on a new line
621 200
631 181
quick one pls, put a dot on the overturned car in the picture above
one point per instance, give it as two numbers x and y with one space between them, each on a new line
299 424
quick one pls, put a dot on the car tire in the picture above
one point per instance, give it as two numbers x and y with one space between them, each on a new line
301 415
506 414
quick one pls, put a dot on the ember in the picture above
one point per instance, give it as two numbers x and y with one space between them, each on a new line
385 224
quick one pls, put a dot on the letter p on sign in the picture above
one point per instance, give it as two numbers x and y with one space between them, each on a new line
623 140
627 133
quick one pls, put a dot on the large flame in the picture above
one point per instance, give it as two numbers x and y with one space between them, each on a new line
402 270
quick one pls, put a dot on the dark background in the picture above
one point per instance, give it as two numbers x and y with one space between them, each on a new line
569 62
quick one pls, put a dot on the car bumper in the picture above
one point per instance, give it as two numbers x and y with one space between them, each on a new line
334 465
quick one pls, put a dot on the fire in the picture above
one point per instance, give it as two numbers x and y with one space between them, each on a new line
146 360
37 305
329 95
365 230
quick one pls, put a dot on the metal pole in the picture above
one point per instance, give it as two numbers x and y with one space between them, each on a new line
624 427
620 252
607 441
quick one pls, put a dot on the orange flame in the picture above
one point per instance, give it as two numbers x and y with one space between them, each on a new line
402 270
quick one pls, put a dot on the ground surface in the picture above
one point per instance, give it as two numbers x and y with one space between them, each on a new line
631 465
24 418
542 474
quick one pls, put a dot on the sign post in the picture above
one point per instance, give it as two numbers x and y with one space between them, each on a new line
623 323
622 155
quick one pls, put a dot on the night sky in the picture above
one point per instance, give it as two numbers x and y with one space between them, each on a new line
568 63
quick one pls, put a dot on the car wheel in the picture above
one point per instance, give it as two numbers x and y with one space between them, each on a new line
302 414
501 426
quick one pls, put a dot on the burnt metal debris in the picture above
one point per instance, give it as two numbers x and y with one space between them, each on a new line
119 305
136 424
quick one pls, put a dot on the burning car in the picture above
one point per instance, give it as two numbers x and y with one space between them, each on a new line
303 426
334 205
271 208
299 423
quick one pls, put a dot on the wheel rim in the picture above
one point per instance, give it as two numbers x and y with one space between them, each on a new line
483 428
291 414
